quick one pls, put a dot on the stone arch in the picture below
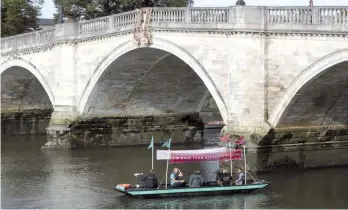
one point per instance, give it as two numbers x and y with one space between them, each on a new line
32 69
309 73
160 44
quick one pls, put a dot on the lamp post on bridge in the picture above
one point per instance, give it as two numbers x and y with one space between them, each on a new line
240 3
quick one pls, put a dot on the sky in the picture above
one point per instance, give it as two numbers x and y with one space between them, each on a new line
48 8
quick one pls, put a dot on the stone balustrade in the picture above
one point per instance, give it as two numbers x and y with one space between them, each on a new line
333 20
308 15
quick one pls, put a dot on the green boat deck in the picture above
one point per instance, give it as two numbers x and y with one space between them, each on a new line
186 191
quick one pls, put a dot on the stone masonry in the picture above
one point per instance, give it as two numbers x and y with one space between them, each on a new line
264 67
247 73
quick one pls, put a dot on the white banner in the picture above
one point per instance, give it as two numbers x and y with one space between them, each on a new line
166 154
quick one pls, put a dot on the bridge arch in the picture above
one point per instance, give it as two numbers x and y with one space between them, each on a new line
159 44
313 71
21 63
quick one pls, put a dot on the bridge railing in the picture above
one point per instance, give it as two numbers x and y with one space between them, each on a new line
300 19
27 40
308 15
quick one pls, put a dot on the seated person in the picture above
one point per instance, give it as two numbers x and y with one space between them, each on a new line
218 176
224 178
241 177
176 179
150 180
196 179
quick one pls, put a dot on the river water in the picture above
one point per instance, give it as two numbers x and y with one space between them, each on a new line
84 178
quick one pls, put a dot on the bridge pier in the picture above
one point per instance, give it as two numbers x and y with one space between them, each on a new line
59 132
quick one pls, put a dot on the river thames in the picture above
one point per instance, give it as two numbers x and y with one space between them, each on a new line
84 178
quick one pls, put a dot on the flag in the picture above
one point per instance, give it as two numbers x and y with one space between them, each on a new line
240 141
225 138
151 143
167 144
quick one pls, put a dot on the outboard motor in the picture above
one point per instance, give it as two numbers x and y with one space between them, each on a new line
139 180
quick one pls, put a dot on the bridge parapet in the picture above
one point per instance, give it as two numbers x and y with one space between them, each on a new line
329 20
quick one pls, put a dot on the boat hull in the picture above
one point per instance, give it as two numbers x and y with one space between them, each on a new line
213 126
184 192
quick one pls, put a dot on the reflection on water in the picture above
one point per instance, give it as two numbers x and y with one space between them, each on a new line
84 178
241 201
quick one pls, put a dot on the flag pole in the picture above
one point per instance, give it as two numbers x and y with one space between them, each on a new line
167 144
167 168
152 158
229 142
152 152
245 165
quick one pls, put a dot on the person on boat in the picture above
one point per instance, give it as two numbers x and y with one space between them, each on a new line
224 178
241 177
176 179
196 179
150 180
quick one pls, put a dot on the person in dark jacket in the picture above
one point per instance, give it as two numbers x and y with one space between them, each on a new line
150 180
224 178
196 179
218 176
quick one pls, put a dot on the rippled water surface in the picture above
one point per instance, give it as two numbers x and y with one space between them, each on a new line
84 178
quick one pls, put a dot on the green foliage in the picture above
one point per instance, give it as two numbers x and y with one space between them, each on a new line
89 9
19 16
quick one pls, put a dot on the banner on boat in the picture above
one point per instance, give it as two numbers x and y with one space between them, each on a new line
183 156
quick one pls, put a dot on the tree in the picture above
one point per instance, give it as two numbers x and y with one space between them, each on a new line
19 16
89 9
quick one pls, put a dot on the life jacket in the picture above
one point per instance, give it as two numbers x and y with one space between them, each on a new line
125 186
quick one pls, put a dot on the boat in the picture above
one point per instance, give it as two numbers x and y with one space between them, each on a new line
186 191
209 188
214 125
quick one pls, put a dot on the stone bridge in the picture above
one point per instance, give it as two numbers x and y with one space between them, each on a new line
255 68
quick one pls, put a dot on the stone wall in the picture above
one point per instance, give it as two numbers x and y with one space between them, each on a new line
322 101
27 122
296 147
128 131
146 82
209 111
288 58
25 106
20 90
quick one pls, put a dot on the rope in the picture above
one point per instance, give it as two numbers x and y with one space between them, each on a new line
161 182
